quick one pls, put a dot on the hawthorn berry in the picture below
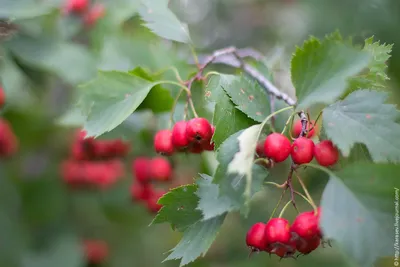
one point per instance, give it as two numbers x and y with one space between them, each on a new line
2 97
141 192
277 147
199 130
96 251
8 140
76 6
302 150
255 238
305 225
278 238
196 148
179 138
311 128
305 246
160 169
95 13
140 169
152 201
208 145
326 153
163 142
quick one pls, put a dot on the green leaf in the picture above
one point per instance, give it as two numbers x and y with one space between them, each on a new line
196 240
321 69
163 22
363 117
159 99
249 97
361 219
24 9
375 76
179 208
211 202
69 61
110 98
236 174
227 119
73 117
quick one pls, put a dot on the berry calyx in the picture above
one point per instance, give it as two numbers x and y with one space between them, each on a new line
302 150
198 130
326 153
160 169
277 230
179 138
2 97
255 238
163 142
196 148
277 147
311 128
140 169
305 225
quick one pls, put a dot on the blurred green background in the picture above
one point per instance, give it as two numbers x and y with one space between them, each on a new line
46 56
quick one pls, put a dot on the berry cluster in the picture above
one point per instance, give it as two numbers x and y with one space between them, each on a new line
90 13
279 238
277 147
96 251
193 136
94 162
145 171
8 140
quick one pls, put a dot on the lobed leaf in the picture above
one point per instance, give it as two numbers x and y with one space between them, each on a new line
361 219
363 117
321 69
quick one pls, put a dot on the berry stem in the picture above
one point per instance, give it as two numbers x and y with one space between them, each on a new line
284 208
210 73
311 201
195 57
316 120
287 123
171 118
281 186
318 167
304 197
173 69
277 205
290 186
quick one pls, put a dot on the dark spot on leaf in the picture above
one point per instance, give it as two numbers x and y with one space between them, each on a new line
331 124
181 208
258 113
149 11
251 97
208 94
368 116
359 219
241 90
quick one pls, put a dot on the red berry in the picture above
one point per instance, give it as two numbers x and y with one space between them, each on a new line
141 169
160 169
255 238
208 145
96 251
326 153
2 97
260 149
198 130
179 139
302 150
8 141
152 204
311 127
277 230
163 142
95 13
277 147
305 246
196 148
141 192
305 225
76 6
